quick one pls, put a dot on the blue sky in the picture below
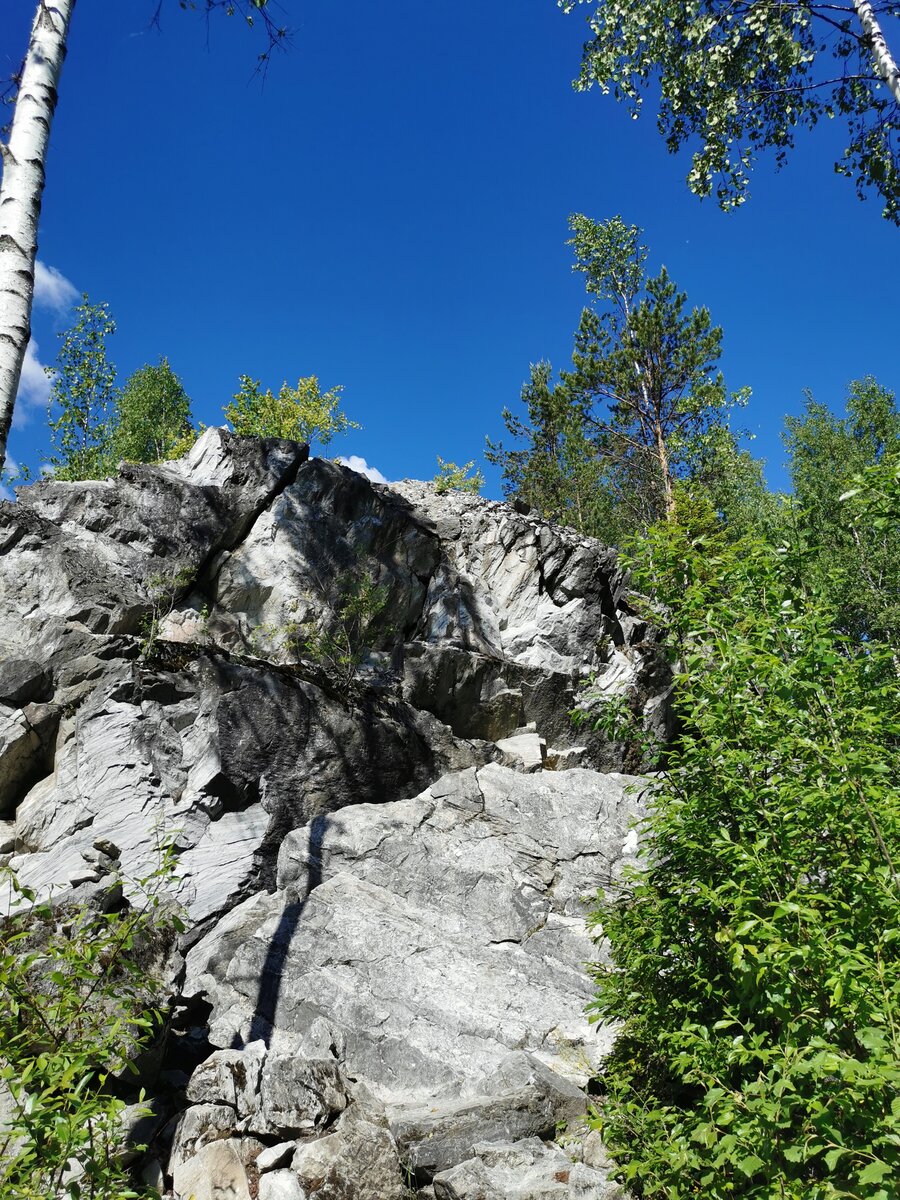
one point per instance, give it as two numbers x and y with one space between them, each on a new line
389 213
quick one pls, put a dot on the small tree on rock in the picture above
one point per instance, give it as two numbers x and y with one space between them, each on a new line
154 415
84 388
302 414
638 410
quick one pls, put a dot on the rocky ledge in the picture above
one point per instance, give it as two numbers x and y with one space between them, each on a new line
383 853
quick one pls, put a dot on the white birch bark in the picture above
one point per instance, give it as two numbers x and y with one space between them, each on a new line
884 61
21 191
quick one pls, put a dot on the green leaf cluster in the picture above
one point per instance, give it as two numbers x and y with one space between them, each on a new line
755 956
734 80
153 416
78 1004
451 478
301 414
643 405
854 553
96 424
83 396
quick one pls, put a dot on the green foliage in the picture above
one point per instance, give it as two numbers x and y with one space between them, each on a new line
183 444
854 558
154 415
734 81
643 367
620 719
877 491
302 414
163 592
77 1006
641 406
732 480
341 645
351 622
451 478
84 389
756 956
557 470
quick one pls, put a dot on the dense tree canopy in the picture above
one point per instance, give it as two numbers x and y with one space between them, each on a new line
855 559
154 414
736 79
754 953
643 405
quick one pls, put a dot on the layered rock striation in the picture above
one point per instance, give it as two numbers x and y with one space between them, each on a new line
346 705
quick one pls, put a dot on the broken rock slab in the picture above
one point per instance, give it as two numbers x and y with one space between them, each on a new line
217 1169
358 1161
436 947
523 1098
523 1170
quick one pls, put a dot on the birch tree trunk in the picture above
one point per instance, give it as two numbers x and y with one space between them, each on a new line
21 191
884 60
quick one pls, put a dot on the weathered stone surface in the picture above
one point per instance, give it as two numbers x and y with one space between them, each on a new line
486 601
370 896
522 1098
20 749
22 680
229 1077
523 1170
328 525
7 836
276 1156
298 1095
358 1161
524 752
87 558
214 1171
280 1185
436 944
198 1127
230 757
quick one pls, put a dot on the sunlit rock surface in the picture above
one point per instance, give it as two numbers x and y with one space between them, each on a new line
384 867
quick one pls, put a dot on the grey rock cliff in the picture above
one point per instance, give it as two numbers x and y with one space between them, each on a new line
384 875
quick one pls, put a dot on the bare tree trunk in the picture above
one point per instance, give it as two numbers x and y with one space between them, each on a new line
21 191
663 456
884 62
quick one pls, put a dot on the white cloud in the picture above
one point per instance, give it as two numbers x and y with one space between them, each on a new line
34 387
52 289
355 463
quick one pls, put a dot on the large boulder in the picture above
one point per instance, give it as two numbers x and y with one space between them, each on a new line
346 707
436 947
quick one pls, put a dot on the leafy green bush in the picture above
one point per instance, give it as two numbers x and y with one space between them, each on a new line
77 1006
83 396
341 645
451 478
301 414
154 415
756 956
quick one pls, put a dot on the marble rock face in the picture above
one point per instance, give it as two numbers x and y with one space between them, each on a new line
386 828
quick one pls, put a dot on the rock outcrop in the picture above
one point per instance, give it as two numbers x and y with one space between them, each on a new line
385 824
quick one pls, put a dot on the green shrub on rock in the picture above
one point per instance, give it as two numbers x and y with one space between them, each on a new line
302 414
756 956
78 1005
